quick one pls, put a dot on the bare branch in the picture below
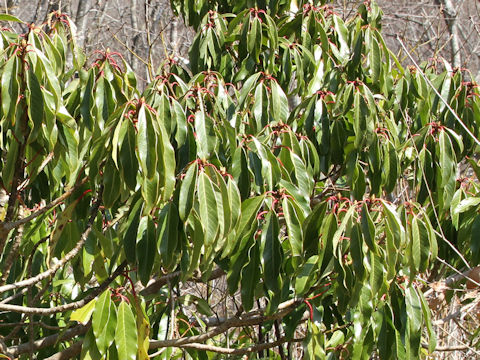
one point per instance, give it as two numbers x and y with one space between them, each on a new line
70 306
157 284
7 226
241 351
42 343
12 255
68 353
248 319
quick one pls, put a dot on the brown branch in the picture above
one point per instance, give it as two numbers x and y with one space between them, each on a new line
155 286
37 323
7 226
241 351
70 255
450 348
68 353
248 319
12 255
42 343
66 307
18 176
278 334
131 51
14 296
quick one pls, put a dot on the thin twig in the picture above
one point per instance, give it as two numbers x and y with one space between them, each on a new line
66 307
12 255
241 351
68 353
248 319
7 226
42 343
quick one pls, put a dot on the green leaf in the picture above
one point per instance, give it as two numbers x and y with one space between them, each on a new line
146 251
250 277
272 254
166 164
341 229
151 192
168 235
356 249
111 181
86 104
475 240
391 171
83 314
377 271
294 229
311 230
62 220
415 321
127 161
279 103
35 103
8 17
249 211
447 161
9 92
466 204
198 239
208 208
432 338
374 58
394 224
415 245
130 237
205 135
342 36
89 347
146 144
240 172
126 333
304 279
247 87
143 330
337 338
235 201
187 189
104 321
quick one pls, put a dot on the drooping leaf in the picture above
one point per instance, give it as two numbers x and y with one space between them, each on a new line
104 322
272 255
250 276
146 251
126 333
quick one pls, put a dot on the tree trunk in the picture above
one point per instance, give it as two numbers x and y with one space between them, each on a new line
81 22
450 15
136 38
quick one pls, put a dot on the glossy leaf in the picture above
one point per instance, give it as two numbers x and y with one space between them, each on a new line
272 254
146 251
83 314
126 333
104 322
